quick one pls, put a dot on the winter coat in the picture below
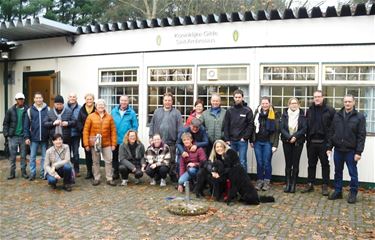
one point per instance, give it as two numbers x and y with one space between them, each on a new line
161 156
301 131
33 127
125 123
273 134
81 118
196 157
75 111
11 120
213 124
167 124
238 123
96 125
51 160
66 116
125 153
200 139
348 133
316 130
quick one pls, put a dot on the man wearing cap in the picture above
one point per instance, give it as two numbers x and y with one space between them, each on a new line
60 120
13 131
35 134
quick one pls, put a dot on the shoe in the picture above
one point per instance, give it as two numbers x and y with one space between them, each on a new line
32 178
124 182
67 187
111 183
153 182
266 185
11 177
115 176
53 186
163 183
137 181
77 174
259 185
287 181
335 195
24 174
95 182
308 188
352 198
89 176
325 190
43 177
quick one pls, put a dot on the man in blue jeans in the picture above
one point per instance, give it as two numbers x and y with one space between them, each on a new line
35 134
13 131
239 126
347 135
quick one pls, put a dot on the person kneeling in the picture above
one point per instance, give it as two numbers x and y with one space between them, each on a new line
131 157
191 158
57 163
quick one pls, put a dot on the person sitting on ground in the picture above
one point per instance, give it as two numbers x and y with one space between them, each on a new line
57 164
131 157
189 163
158 158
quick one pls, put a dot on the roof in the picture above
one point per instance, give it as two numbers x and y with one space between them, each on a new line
34 28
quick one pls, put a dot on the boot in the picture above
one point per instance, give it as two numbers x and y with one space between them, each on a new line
325 190
287 181
12 175
293 181
24 174
308 188
89 175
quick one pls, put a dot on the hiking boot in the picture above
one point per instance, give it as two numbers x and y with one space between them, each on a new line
24 174
124 182
325 190
259 185
89 176
111 183
335 195
163 183
266 185
95 182
67 187
308 188
352 198
153 182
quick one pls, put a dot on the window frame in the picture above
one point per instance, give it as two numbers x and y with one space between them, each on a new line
226 81
346 82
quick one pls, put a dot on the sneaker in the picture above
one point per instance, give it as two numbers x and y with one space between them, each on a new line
53 186
137 181
352 198
325 190
308 188
266 185
259 185
124 182
67 187
95 182
163 183
32 178
111 183
335 195
153 182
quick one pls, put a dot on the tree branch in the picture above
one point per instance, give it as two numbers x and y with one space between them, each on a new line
133 6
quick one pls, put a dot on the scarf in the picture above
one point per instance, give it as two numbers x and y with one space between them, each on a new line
293 121
216 111
270 122
58 129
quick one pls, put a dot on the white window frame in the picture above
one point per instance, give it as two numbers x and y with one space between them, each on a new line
136 83
167 83
226 81
346 82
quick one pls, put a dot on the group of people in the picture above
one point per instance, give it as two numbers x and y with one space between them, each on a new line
187 153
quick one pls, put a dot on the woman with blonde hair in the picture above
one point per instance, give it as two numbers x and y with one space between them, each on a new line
293 128
131 157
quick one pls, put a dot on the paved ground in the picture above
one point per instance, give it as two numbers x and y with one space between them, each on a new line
31 210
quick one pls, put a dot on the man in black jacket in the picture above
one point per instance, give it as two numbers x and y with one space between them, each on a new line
347 135
13 130
319 118
239 126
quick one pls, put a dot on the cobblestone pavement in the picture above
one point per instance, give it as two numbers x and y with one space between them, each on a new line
32 210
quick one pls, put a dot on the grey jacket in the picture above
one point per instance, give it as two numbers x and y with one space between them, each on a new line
130 161
167 124
213 124
51 164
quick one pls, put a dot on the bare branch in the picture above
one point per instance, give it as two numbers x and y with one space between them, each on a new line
133 6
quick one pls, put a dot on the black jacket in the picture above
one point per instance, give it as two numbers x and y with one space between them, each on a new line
229 161
238 123
67 115
348 133
10 121
81 119
313 129
301 131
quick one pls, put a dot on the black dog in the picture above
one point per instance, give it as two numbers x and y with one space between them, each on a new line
204 177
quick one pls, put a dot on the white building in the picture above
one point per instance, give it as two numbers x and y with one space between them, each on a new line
280 57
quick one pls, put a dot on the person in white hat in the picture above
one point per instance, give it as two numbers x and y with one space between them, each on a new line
13 132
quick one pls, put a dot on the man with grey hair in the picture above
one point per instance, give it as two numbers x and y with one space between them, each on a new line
73 105
212 119
347 135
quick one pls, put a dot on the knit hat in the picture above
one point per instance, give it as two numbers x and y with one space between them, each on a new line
59 99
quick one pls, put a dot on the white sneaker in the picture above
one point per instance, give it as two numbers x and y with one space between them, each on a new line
163 183
124 183
153 182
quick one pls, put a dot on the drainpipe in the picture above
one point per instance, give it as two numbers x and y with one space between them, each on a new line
5 80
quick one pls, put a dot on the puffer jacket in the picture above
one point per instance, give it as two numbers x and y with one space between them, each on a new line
125 123
66 116
301 131
11 119
33 128
348 133
160 156
96 125
213 124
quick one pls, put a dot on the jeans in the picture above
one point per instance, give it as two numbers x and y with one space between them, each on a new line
188 175
316 151
241 148
65 172
263 155
14 143
74 147
345 157
33 151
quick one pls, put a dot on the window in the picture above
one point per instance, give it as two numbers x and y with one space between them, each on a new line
281 82
178 81
226 79
358 80
115 83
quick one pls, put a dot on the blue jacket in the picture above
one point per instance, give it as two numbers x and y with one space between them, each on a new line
200 139
33 128
125 123
75 112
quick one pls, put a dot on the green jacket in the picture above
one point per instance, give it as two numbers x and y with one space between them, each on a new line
213 124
